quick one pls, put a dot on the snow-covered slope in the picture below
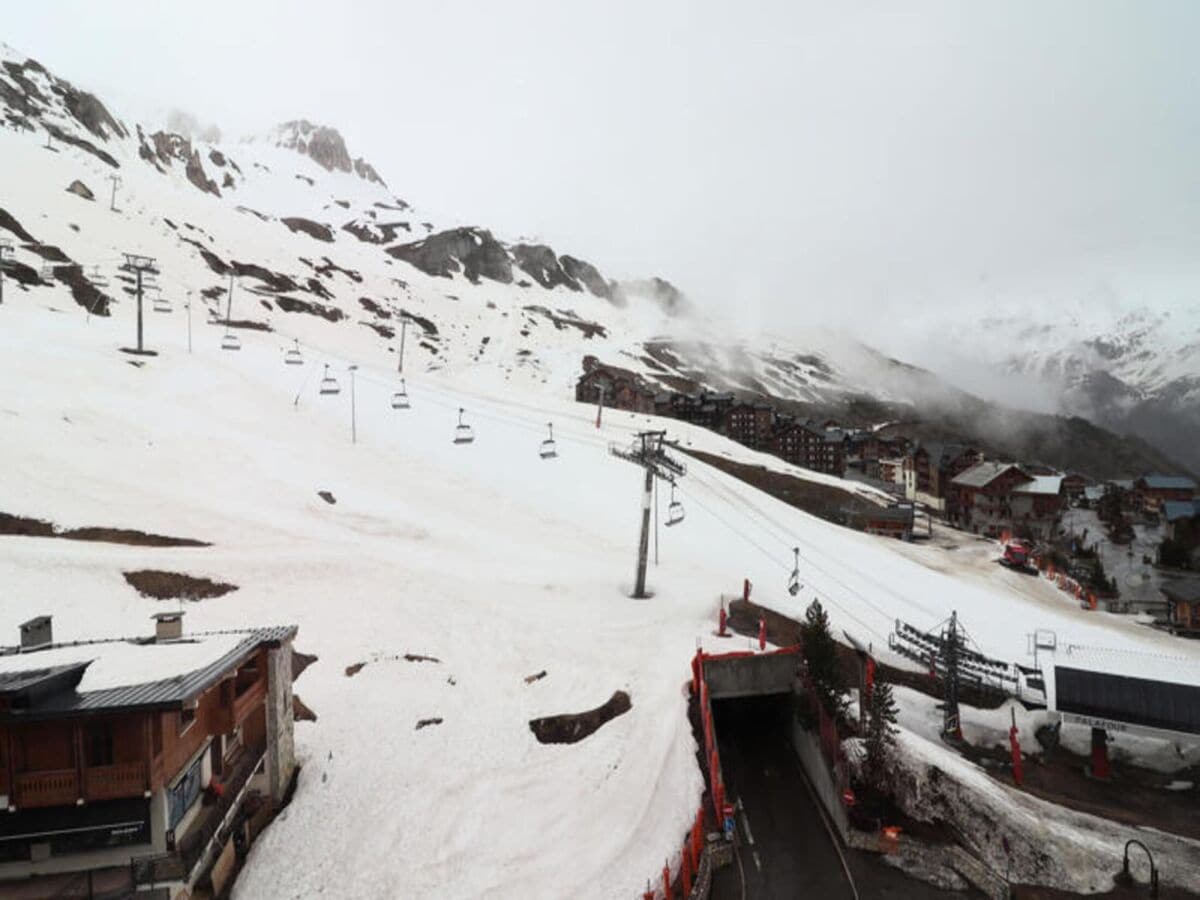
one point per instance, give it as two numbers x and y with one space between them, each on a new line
498 563
323 251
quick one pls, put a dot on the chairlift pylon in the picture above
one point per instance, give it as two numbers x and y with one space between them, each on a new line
231 341
400 397
674 509
293 356
463 434
329 384
794 579
549 449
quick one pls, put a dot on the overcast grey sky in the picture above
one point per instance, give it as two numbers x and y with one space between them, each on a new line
840 161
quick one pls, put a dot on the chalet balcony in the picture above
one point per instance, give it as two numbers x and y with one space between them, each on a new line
58 787
244 703
111 782
64 787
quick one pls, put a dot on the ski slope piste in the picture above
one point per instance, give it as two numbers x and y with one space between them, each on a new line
492 559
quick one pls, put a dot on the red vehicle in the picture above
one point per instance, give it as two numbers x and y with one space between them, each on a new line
1018 556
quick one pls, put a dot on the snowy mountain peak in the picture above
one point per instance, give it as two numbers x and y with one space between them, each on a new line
325 146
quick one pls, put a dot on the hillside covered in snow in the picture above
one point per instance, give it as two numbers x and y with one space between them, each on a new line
430 579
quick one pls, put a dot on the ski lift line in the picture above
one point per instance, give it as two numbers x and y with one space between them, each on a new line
774 558
811 550
829 575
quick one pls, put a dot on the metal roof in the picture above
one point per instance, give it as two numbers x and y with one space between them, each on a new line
982 474
1180 509
1144 702
1169 483
162 693
1187 590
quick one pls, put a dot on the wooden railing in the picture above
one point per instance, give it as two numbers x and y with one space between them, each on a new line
58 787
120 780
246 702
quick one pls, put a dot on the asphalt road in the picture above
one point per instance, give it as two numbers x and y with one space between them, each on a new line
783 847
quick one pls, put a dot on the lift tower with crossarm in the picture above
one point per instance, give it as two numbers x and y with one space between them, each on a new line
647 451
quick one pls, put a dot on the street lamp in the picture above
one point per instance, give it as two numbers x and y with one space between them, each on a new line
1124 878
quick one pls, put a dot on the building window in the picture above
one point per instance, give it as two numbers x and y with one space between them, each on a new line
184 793
100 744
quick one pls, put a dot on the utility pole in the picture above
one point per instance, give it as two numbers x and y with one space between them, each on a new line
49 142
647 452
403 331
188 307
600 392
951 725
353 419
115 179
139 266
5 248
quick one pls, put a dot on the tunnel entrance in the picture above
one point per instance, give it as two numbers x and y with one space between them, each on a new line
782 847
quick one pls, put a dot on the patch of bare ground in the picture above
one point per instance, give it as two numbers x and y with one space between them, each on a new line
301 711
300 662
354 668
570 728
25 526
327 496
161 585
424 723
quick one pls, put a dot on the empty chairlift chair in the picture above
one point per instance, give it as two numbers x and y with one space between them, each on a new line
161 304
794 579
400 397
98 278
231 341
674 509
549 449
463 434
329 384
293 357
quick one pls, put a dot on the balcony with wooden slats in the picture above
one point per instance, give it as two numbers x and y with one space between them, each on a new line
112 782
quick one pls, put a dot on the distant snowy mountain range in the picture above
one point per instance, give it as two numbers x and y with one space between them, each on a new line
1130 371
317 246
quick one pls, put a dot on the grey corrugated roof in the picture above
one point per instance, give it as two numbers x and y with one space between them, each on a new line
1123 698
166 692
1180 509
1187 590
12 682
1169 483
982 474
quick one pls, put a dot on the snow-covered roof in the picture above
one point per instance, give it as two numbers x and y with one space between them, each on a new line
1188 589
982 474
121 673
1049 485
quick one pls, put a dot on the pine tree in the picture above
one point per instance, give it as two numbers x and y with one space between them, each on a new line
821 658
880 738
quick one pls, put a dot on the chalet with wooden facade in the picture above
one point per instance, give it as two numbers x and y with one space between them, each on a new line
1183 606
140 767
931 467
996 497
618 388
1152 491
751 424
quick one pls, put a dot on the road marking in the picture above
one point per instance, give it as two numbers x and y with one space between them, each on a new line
757 861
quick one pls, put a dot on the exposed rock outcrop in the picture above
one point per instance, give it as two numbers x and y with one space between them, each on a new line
79 189
314 230
588 275
542 265
472 251
325 146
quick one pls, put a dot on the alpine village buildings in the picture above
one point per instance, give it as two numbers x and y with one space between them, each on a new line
140 767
